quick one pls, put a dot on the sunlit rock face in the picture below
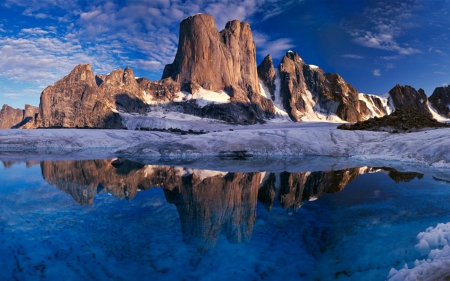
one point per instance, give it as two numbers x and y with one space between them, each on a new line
306 89
13 118
122 91
440 100
225 60
75 101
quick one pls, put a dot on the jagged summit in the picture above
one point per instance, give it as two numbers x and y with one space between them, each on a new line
440 100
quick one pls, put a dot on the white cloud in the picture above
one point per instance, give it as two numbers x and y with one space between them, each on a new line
376 73
276 48
383 42
388 22
390 57
108 35
390 66
352 56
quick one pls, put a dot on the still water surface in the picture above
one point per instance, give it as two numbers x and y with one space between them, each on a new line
121 220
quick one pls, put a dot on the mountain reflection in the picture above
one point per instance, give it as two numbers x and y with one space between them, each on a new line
209 203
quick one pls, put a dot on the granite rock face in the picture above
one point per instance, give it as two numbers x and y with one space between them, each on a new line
440 100
215 61
266 72
75 101
306 89
10 117
408 97
13 118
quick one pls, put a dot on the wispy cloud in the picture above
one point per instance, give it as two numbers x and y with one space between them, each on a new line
376 72
352 56
111 34
386 23
390 57
276 47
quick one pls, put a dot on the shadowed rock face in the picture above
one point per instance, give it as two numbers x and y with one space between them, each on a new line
13 118
266 72
440 100
75 101
408 97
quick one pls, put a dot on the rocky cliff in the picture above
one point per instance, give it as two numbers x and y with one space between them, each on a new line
225 60
440 100
306 90
408 97
267 74
13 118
214 74
75 101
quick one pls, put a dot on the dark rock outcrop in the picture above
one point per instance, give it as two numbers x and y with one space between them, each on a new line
13 118
401 120
408 97
440 100
266 72
75 101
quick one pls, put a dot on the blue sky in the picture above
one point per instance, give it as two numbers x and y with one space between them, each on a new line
372 44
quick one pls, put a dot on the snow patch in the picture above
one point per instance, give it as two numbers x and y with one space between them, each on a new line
436 115
204 97
435 243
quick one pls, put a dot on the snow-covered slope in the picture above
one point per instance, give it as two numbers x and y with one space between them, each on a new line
274 140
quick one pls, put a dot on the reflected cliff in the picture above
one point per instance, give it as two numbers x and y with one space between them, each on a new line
209 203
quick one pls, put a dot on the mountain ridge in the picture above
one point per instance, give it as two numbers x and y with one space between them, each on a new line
214 75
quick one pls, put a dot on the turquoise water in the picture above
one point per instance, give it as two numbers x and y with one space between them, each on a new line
120 220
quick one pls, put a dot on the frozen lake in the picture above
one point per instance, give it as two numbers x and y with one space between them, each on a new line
121 220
